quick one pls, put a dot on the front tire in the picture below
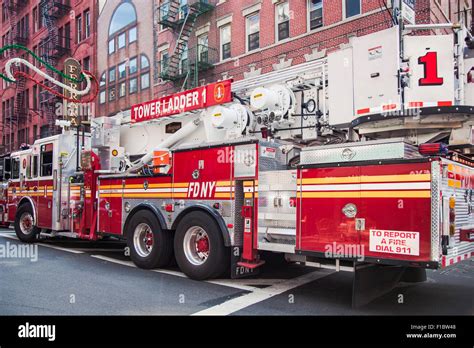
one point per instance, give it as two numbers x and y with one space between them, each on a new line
25 228
150 246
199 247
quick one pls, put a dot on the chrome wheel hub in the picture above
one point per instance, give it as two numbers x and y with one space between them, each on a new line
196 245
143 240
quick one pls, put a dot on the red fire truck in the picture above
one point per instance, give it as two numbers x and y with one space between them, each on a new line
326 167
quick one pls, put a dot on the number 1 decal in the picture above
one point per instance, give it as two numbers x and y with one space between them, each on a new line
430 63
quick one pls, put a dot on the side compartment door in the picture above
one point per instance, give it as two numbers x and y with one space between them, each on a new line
329 202
45 186
104 206
115 206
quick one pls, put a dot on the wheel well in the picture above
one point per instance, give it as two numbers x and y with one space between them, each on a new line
25 201
217 218
141 208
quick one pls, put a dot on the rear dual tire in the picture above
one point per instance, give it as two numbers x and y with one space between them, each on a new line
150 246
199 247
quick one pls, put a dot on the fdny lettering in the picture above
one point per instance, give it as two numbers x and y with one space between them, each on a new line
201 189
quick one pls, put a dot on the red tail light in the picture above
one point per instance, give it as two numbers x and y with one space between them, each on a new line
433 149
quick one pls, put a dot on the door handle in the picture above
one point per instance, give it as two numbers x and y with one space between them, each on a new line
360 224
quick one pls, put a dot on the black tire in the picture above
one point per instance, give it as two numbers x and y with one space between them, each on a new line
218 259
162 250
20 230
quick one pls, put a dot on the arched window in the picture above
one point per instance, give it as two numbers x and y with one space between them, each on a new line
102 80
145 63
124 15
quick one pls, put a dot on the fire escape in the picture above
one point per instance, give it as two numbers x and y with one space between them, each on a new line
184 63
52 48
18 36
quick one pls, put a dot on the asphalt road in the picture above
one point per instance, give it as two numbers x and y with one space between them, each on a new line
82 278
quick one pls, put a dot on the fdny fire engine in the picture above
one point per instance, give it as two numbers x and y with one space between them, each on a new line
345 162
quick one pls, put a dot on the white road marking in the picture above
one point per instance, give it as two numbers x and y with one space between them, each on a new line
73 251
100 250
241 284
232 283
8 235
109 259
176 273
259 295
173 273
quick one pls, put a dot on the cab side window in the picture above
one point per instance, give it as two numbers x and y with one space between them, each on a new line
15 168
35 166
46 160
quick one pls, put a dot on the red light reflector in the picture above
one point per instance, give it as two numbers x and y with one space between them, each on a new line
169 208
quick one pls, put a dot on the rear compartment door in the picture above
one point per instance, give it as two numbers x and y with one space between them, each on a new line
396 208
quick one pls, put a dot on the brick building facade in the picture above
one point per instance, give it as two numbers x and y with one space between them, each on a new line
125 55
255 37
54 30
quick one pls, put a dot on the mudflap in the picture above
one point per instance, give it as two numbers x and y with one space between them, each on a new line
373 281
237 271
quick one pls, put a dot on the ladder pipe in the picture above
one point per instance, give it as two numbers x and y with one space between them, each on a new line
187 130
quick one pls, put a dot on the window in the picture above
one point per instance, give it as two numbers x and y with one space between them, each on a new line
123 89
87 63
35 166
87 24
124 15
111 93
132 35
183 8
112 75
145 63
79 28
67 35
133 86
225 41
121 41
315 14
15 168
35 97
35 20
111 46
253 31
103 80
102 97
46 160
283 20
183 63
132 69
203 48
145 81
122 70
352 8
164 57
